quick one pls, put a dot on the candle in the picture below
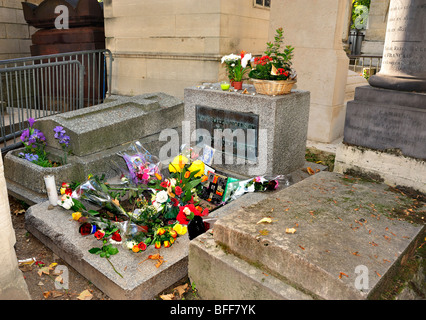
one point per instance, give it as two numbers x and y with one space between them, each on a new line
51 189
224 86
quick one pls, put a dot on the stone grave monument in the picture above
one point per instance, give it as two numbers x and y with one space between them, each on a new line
97 135
252 134
385 127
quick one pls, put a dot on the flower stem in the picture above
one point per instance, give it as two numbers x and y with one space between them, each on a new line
114 268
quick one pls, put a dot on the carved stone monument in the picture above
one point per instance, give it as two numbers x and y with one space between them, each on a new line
385 127
404 55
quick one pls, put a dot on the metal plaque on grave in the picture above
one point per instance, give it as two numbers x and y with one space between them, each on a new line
239 129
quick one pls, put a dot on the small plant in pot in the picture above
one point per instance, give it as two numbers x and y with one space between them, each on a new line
273 73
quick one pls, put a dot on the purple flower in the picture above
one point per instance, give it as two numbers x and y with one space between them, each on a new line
31 157
25 134
31 122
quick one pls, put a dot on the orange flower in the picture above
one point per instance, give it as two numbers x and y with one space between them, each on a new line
158 176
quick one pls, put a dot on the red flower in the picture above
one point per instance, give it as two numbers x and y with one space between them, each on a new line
175 202
116 236
99 234
68 191
164 184
185 211
178 190
282 72
142 246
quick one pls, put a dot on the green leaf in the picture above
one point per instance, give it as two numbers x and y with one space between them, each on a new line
95 250
93 212
192 184
112 250
103 254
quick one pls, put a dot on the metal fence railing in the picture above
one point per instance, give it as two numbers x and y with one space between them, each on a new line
36 87
363 63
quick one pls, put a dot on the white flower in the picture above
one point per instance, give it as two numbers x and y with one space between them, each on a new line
66 202
245 60
158 206
161 196
230 57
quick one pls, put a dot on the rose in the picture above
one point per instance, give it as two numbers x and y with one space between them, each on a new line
116 236
99 234
188 212
142 246
76 216
175 202
178 190
180 229
161 196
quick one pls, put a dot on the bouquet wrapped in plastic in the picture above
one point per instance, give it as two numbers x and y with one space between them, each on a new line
142 166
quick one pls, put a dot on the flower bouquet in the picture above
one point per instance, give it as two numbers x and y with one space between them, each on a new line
142 166
272 73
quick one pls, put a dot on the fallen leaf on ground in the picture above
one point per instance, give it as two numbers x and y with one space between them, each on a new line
310 171
301 248
46 294
56 294
265 220
264 232
181 289
343 274
169 296
85 295
290 230
59 279
44 270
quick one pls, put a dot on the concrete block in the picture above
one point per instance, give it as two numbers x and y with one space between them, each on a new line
341 223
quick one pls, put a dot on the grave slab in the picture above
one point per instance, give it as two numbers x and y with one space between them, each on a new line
141 280
345 228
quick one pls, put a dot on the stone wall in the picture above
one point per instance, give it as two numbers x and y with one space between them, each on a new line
320 61
15 34
169 45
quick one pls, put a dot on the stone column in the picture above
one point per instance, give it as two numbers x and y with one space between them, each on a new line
12 284
315 29
404 55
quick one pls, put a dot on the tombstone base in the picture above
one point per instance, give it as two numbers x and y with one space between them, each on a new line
398 83
387 120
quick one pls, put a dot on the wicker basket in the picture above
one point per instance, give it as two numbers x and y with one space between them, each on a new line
273 87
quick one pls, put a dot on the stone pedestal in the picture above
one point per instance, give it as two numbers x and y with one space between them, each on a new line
404 55
274 128
387 120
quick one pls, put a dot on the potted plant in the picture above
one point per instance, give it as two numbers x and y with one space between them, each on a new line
272 73
237 66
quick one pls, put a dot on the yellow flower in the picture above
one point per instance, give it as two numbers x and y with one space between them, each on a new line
199 166
180 229
76 216
178 163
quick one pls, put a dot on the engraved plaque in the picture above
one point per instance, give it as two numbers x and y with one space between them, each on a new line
235 133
